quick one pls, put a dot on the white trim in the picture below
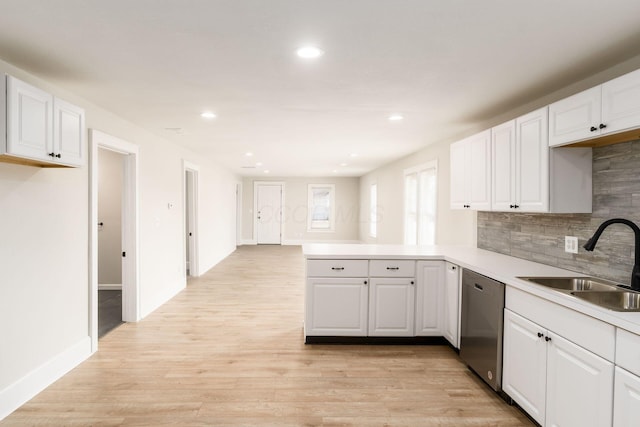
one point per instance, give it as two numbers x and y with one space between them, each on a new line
256 184
109 287
248 242
23 390
371 218
239 213
194 267
130 242
432 164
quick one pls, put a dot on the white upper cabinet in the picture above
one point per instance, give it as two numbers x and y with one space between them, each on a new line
29 124
575 118
503 162
471 172
606 109
42 130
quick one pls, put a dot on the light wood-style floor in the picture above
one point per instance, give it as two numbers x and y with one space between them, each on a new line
228 351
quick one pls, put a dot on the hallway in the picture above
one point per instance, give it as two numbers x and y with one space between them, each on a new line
229 350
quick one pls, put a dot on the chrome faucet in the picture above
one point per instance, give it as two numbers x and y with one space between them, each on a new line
591 244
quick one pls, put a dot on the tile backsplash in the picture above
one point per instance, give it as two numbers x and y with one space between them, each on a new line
540 237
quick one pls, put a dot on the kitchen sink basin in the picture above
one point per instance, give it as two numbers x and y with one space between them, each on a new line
574 283
613 300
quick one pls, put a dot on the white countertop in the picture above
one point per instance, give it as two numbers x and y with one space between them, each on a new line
503 268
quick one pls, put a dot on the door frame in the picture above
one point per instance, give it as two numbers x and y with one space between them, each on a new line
130 238
239 213
194 270
256 184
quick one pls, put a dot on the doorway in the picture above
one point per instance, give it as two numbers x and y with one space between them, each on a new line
99 141
190 174
268 202
110 230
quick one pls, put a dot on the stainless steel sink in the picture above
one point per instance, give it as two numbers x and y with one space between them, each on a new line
574 283
613 300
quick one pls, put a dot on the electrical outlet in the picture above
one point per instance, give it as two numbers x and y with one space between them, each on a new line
571 244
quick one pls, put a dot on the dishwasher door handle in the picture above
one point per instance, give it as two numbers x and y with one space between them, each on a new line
478 287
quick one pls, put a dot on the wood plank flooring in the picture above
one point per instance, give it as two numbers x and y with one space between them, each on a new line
228 351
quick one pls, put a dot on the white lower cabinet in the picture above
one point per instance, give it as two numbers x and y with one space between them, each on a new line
557 382
451 306
391 307
336 307
429 301
626 399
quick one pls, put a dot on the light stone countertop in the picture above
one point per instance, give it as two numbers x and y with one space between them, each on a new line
500 267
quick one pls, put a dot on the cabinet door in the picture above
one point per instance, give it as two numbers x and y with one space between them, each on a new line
391 307
68 133
29 116
532 168
479 167
626 399
451 317
336 307
572 119
458 191
503 162
621 103
524 364
429 300
579 386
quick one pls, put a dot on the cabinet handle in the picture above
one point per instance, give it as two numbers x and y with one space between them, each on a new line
540 334
58 155
412 282
516 206
593 129
547 339
393 268
337 268
602 126
453 267
365 282
51 154
512 206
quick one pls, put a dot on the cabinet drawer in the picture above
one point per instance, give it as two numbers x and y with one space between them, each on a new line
337 268
392 268
628 351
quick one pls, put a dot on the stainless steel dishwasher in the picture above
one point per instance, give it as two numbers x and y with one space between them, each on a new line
481 326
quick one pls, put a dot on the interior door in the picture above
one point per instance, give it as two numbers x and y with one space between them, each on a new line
269 214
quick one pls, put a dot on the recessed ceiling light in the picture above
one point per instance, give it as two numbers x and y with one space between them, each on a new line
343 164
309 52
266 171
259 164
248 154
395 117
208 115
353 155
335 171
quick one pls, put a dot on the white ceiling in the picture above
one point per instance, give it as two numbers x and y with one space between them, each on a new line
445 65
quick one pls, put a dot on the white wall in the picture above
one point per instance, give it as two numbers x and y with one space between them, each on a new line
295 210
44 247
110 174
452 227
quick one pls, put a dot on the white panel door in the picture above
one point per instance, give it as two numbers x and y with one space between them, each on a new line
532 170
575 118
621 103
29 124
458 194
479 166
525 364
391 307
429 301
626 399
336 307
68 133
269 214
503 161
579 386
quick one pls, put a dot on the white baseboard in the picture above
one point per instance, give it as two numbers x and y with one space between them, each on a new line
109 287
23 390
300 242
248 242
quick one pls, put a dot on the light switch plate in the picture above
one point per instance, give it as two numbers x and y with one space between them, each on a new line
571 244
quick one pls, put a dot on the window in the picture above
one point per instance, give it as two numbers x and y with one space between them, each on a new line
321 207
420 204
373 210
